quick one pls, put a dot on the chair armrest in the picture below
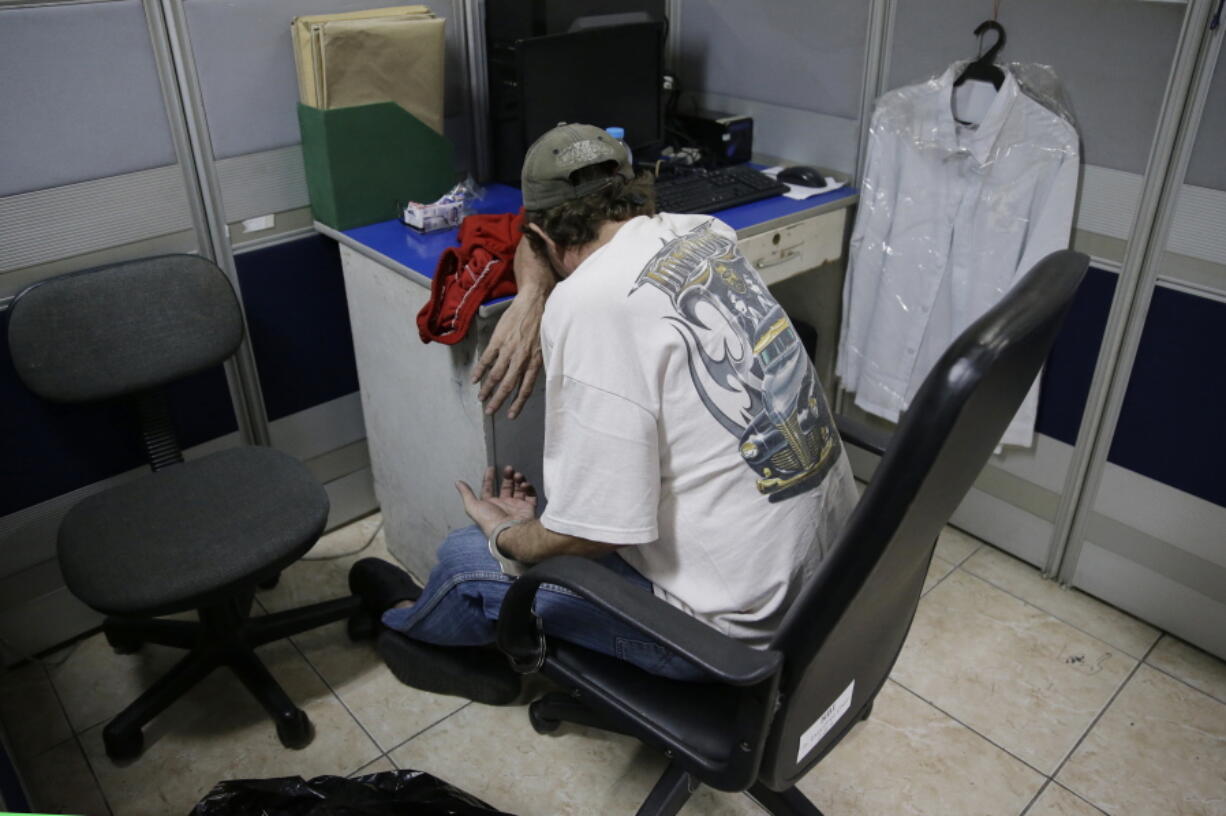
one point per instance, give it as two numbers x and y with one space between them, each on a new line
729 660
862 435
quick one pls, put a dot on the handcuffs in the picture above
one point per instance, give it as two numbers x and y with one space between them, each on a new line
515 569
509 565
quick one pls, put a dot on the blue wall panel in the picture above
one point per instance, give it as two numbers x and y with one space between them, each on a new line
12 795
1066 378
294 295
47 449
1168 429
1170 426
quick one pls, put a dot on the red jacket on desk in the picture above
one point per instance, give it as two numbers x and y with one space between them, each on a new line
479 269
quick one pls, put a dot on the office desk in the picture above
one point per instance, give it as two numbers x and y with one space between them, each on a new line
424 425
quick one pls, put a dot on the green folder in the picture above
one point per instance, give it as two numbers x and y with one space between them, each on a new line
364 160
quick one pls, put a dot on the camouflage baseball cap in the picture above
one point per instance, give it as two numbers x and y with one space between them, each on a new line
555 156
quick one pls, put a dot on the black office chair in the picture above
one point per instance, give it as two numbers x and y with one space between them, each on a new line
191 535
770 715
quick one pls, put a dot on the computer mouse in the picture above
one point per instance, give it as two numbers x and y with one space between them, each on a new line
802 176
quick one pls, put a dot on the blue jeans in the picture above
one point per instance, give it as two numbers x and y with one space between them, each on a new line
460 602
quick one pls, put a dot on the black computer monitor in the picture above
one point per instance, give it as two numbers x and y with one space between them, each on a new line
607 76
508 21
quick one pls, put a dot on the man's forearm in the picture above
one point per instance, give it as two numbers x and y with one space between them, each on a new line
531 542
532 276
529 284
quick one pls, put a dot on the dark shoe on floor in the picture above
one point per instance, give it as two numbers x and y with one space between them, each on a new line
381 585
478 673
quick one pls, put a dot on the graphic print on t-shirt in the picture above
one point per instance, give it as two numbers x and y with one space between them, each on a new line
784 428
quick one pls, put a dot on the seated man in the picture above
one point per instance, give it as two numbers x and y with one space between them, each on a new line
688 443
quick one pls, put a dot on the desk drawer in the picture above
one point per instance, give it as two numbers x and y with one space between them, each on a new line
787 251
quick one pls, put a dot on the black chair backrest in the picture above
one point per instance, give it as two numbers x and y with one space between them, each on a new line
122 329
842 636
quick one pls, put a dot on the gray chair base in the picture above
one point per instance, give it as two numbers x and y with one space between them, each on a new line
226 635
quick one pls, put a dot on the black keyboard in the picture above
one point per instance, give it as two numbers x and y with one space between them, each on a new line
704 191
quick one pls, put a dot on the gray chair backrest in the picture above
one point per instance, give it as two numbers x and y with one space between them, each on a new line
842 636
121 329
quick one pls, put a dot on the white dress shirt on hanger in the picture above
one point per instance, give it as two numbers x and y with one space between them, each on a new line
964 191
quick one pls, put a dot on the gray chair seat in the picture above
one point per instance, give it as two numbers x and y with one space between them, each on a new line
171 540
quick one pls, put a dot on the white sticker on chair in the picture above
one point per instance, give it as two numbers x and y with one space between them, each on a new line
821 727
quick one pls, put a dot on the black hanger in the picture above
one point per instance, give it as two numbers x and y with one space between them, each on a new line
983 68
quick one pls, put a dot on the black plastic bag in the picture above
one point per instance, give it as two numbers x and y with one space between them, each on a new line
390 793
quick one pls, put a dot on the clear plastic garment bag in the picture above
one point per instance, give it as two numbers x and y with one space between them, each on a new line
966 187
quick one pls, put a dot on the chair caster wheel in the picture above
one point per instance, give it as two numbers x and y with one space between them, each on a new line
123 745
123 644
362 626
269 583
868 710
295 731
541 724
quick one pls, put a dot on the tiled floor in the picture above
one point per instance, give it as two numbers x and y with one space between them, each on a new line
1012 696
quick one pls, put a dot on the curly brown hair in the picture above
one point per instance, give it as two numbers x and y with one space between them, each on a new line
576 223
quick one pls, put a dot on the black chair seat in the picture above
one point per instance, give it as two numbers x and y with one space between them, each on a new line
691 714
171 540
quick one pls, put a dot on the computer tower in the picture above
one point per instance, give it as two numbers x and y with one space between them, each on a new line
509 20
514 69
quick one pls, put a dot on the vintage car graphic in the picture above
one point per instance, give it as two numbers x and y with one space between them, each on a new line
785 434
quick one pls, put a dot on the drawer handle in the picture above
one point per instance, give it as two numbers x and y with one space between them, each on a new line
783 257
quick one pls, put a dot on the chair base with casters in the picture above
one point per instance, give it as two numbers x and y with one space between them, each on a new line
262 509
225 635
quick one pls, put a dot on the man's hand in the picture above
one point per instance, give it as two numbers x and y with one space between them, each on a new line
515 500
513 357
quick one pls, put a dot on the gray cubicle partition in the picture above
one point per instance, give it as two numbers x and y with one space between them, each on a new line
1147 532
1113 57
84 127
77 125
797 67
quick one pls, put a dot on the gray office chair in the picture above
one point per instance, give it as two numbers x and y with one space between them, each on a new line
200 534
770 715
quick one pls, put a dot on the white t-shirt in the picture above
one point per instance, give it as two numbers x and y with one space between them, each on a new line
684 417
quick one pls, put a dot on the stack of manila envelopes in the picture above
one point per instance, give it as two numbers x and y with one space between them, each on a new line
378 55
